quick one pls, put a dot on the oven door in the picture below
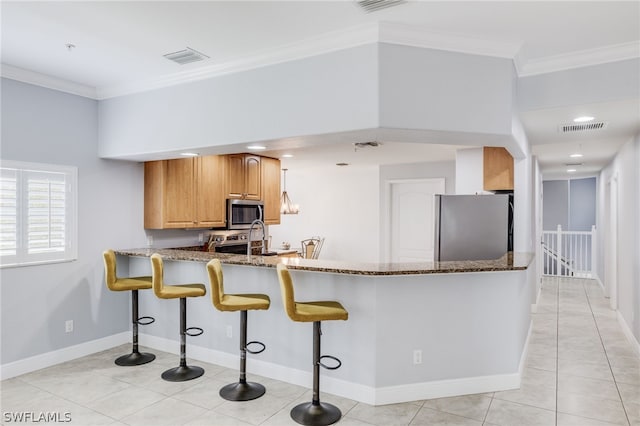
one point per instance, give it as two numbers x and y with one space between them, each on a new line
241 213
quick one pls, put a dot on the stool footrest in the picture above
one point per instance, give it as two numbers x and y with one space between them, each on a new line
198 331
145 320
246 347
332 358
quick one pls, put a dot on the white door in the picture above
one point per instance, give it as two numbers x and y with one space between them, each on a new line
412 219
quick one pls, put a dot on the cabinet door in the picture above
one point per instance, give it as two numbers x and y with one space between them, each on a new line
179 193
252 178
210 193
235 176
271 190
154 195
497 169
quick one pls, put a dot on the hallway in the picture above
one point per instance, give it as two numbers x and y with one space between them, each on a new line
580 370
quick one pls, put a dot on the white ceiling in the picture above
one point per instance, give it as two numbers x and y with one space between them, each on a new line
119 43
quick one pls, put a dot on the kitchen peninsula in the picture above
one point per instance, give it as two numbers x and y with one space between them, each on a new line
415 330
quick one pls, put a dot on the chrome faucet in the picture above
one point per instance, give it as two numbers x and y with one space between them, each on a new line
263 246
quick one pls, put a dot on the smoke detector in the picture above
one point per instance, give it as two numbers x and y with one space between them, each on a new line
186 56
374 5
582 127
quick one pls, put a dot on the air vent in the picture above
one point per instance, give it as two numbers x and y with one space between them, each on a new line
186 56
373 5
573 164
581 127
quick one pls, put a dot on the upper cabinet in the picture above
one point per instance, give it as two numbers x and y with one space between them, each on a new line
244 177
483 169
271 190
497 169
184 193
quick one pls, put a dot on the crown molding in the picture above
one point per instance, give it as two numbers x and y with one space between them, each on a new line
373 32
326 43
582 58
416 36
50 82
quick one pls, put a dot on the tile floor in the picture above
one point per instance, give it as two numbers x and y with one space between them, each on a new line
580 370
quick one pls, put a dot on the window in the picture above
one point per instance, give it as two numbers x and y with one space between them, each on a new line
37 213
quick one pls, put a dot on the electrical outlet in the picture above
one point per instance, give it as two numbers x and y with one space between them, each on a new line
149 240
417 356
229 332
68 326
201 237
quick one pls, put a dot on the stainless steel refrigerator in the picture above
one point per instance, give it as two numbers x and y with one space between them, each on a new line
473 227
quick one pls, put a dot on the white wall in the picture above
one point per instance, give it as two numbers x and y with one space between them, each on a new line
469 171
42 125
625 167
338 203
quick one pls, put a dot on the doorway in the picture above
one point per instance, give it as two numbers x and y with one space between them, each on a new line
411 221
611 243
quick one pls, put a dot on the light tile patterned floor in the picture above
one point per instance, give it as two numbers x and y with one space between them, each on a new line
580 371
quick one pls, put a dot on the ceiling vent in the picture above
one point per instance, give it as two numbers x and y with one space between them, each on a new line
186 56
581 127
373 5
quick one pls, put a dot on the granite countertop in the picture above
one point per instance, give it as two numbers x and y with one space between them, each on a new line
509 262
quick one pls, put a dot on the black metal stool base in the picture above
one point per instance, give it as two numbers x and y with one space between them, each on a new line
320 414
135 358
182 373
242 391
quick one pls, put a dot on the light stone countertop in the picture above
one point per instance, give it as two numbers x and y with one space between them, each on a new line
509 262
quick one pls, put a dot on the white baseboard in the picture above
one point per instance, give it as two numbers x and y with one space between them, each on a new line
357 392
628 333
27 365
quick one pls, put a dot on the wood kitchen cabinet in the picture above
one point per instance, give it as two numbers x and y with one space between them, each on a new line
497 169
271 190
184 193
244 177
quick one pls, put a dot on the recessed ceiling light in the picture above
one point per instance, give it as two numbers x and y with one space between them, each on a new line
256 147
583 119
287 155
189 154
571 170
575 155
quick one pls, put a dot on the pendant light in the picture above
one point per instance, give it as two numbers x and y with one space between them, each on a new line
286 206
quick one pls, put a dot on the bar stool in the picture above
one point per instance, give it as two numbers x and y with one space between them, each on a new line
242 390
132 284
183 372
314 413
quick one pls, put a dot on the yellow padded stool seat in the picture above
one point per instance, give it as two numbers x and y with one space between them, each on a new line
232 302
183 372
164 291
314 413
241 390
133 284
307 311
121 284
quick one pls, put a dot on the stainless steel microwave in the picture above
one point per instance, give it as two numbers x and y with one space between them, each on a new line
241 213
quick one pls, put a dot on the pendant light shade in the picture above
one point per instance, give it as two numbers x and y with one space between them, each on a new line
286 206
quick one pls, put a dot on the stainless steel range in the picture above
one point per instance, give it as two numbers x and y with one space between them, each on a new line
229 242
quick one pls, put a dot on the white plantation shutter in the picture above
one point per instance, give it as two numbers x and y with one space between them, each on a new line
37 213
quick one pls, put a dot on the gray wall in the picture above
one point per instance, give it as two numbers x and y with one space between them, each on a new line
439 90
570 203
555 204
327 93
605 82
42 125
